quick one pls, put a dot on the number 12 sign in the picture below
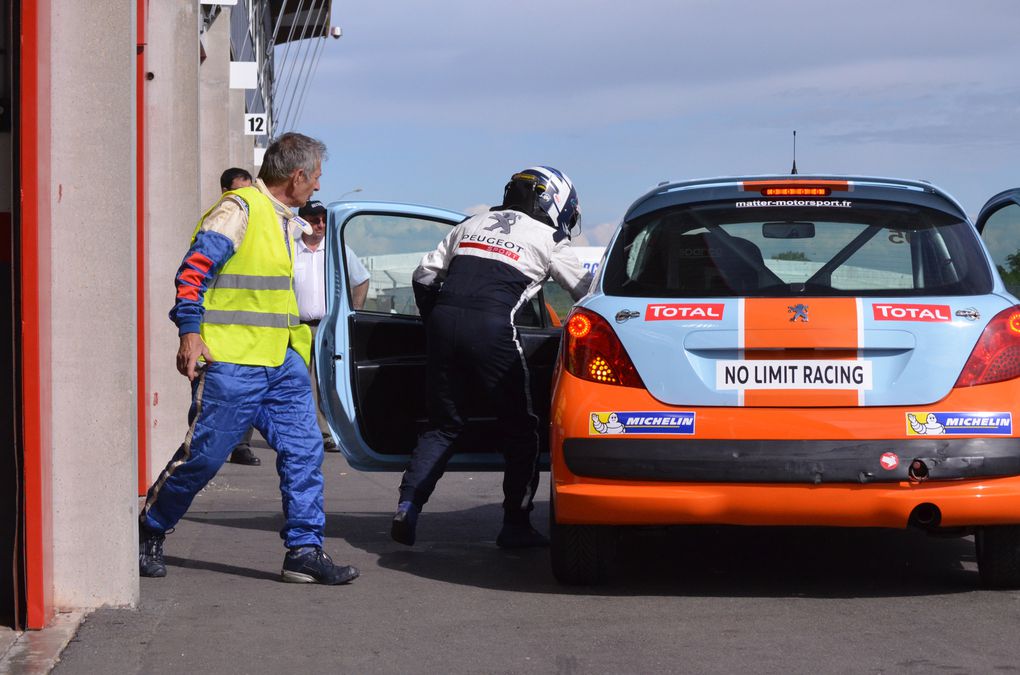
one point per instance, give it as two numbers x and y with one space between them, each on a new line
256 124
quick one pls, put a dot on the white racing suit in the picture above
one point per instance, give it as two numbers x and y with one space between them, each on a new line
468 291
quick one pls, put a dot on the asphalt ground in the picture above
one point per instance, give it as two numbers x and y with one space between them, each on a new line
686 600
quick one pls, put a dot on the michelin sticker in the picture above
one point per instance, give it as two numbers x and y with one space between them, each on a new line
805 374
950 423
605 423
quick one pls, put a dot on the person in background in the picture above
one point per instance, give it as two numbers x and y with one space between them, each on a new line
247 361
310 289
233 179
467 292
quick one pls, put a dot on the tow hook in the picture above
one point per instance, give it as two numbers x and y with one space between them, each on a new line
918 471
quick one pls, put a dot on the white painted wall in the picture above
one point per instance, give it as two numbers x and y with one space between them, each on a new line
172 102
94 329
93 304
214 79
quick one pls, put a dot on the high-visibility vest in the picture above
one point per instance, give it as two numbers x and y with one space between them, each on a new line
251 313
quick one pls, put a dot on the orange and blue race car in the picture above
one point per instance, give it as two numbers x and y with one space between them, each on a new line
777 350
794 350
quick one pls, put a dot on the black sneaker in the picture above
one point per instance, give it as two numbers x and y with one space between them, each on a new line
329 445
311 565
242 454
150 553
405 520
520 536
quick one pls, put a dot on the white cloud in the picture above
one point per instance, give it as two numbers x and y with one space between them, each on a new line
476 209
597 235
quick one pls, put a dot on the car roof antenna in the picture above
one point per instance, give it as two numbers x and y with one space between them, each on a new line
793 172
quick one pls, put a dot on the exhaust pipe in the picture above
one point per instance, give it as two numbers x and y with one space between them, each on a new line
918 471
925 516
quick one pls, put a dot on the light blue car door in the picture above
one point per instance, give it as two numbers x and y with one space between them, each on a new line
370 360
999 225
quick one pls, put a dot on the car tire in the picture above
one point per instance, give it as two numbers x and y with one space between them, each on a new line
581 554
998 556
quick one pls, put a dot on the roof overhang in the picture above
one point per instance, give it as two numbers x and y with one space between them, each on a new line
300 19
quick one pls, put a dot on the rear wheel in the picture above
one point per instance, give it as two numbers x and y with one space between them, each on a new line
581 554
998 556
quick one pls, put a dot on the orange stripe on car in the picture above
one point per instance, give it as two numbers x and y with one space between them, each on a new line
773 329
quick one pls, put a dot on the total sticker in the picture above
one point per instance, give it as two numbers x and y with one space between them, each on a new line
899 312
684 311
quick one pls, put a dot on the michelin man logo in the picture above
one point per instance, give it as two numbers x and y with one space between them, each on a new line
930 427
924 423
612 424
641 422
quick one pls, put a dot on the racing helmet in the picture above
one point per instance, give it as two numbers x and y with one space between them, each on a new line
547 195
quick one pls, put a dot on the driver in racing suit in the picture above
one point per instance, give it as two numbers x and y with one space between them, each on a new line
468 291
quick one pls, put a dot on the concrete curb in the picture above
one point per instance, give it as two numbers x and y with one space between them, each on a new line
36 652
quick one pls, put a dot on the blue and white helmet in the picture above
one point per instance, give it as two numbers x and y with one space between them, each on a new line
555 196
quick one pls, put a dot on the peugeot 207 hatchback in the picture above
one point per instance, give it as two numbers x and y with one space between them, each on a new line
794 350
783 350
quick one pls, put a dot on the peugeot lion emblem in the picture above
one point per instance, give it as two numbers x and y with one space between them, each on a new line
799 311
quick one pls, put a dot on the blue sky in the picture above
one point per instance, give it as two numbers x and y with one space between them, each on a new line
438 103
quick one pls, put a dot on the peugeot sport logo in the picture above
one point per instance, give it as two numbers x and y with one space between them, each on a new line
504 221
799 311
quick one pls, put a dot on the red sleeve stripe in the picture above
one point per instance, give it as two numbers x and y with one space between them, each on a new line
192 277
199 261
187 292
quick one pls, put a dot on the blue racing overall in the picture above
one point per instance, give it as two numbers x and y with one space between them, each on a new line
235 287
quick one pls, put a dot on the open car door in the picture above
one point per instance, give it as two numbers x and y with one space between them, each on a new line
371 360
999 225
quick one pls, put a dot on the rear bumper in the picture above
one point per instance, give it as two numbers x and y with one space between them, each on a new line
993 501
789 461
753 466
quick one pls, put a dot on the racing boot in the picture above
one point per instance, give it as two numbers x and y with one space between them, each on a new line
150 552
405 520
311 565
242 454
517 532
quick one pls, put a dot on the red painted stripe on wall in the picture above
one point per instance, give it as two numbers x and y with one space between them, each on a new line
34 230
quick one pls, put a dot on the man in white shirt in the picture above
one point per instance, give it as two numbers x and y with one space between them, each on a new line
310 288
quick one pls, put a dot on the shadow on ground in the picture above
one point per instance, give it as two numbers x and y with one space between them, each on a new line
458 547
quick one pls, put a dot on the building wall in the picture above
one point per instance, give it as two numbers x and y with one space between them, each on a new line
214 78
195 128
83 477
93 335
242 148
175 185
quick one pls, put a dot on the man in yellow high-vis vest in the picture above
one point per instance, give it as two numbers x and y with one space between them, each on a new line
246 354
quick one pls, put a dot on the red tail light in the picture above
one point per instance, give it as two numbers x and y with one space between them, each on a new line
996 356
593 352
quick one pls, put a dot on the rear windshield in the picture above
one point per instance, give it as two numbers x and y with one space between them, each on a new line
865 249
